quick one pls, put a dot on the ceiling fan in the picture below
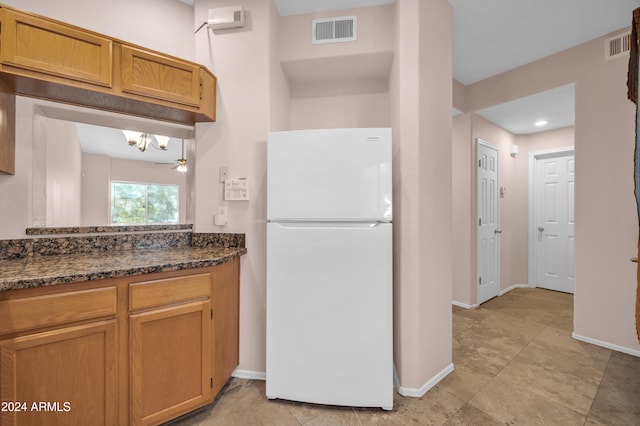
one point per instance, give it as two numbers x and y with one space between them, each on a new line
181 163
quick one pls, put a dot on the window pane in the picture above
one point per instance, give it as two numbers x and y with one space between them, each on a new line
163 204
143 203
128 203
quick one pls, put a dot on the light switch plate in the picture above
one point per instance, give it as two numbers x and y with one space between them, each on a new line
224 174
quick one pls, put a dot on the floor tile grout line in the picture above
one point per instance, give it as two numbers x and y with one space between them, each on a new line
547 326
516 355
604 371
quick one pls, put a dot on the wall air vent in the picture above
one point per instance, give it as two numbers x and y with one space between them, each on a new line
333 30
617 46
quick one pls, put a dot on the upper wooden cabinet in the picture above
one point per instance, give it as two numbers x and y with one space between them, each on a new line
44 58
148 74
41 45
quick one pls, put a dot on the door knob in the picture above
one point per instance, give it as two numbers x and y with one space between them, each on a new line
540 229
498 231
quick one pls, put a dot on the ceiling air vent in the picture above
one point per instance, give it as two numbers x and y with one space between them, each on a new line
333 30
617 46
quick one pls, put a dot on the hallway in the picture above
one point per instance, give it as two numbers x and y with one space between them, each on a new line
515 363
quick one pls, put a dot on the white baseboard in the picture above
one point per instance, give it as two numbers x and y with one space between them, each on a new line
248 374
508 289
607 345
463 305
500 293
417 393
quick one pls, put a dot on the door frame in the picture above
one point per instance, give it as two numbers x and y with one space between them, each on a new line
483 142
532 226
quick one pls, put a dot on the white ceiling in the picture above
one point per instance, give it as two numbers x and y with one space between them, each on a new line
555 106
298 7
112 142
493 36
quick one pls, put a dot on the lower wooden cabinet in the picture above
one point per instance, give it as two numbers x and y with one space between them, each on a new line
66 376
142 350
170 367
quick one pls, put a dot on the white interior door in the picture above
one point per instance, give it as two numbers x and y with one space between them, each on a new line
488 222
554 221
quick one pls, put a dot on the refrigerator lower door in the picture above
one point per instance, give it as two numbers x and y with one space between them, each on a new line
329 314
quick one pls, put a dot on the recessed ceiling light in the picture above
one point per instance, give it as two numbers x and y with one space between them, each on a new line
541 123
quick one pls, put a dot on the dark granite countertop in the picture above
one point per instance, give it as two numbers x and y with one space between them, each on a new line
38 271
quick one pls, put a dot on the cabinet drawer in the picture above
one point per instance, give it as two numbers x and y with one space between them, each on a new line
160 77
55 309
169 291
37 44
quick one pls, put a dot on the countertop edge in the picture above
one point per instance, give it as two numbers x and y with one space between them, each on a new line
47 281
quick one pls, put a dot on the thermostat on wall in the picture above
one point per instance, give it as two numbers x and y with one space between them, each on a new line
236 190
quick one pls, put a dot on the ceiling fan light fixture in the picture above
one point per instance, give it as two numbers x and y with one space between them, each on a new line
182 165
182 162
163 142
143 140
132 137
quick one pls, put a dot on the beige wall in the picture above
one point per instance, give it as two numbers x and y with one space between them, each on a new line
361 110
420 94
63 174
606 229
375 34
96 177
463 164
459 96
339 84
242 63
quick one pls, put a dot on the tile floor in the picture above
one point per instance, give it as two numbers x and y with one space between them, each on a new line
515 364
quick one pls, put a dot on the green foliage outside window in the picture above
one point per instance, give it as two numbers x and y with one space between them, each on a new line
143 203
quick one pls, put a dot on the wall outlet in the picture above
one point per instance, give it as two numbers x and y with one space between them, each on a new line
223 174
222 210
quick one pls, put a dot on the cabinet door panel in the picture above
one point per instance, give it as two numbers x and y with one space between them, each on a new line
37 44
160 77
73 369
226 313
170 369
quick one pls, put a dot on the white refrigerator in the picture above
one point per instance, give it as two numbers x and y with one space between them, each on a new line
329 267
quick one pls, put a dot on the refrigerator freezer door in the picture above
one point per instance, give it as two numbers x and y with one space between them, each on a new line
329 316
334 174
